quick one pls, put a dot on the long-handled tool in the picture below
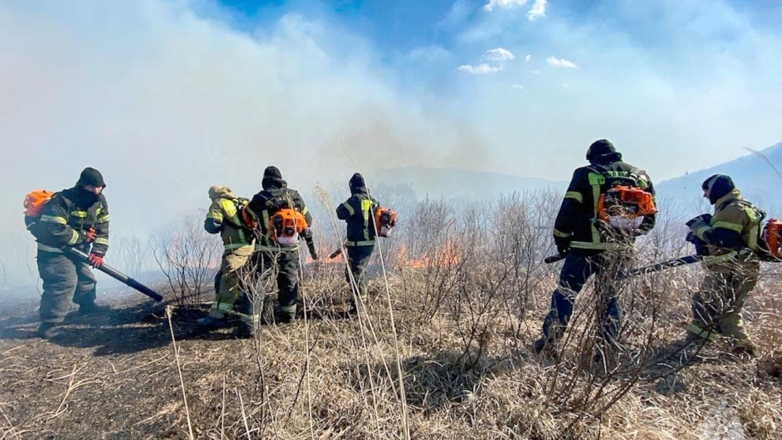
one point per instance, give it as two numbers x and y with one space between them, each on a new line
553 259
336 253
681 261
117 275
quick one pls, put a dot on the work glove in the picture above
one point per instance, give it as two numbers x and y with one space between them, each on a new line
563 245
90 235
307 235
697 222
700 245
95 260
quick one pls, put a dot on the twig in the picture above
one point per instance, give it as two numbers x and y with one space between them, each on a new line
71 386
400 373
179 370
11 428
222 412
244 415
768 161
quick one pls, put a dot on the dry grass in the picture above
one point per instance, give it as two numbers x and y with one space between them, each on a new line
458 338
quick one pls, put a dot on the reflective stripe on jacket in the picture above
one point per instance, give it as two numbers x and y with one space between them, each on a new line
67 216
732 215
357 211
577 218
224 212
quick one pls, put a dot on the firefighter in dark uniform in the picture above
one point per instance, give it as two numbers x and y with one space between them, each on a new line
77 217
358 212
731 263
269 254
590 246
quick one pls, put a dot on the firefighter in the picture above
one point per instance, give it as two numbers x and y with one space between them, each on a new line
731 263
224 218
77 217
589 245
358 212
269 255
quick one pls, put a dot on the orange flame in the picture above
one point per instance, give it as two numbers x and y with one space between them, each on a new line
447 256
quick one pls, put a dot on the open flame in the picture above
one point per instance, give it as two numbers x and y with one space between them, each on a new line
446 256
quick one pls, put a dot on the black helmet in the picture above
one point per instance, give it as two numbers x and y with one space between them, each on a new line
272 178
599 148
357 181
273 172
91 176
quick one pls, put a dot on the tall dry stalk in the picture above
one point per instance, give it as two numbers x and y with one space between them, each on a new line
179 370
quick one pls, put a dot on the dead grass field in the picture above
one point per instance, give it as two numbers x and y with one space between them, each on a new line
453 311
467 367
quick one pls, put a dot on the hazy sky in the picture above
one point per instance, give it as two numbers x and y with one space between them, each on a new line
169 97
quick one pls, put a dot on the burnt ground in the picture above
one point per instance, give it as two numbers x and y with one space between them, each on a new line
116 376
110 376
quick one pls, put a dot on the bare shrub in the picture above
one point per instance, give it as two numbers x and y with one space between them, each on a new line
481 264
131 254
189 259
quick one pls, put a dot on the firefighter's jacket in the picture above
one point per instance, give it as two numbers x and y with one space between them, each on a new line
358 211
224 217
67 216
275 196
578 221
731 234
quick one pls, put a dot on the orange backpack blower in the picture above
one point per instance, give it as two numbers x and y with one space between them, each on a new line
286 225
385 220
624 207
34 201
770 241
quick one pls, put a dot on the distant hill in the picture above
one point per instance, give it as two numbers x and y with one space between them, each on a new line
462 183
753 175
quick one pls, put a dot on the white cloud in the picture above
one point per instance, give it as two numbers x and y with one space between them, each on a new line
527 58
498 54
538 10
480 69
503 4
561 62
496 58
517 86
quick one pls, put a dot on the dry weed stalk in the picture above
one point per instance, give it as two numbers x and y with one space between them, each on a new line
325 200
400 372
179 370
244 415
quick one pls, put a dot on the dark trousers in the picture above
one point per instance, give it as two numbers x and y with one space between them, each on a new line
64 280
575 273
358 259
282 264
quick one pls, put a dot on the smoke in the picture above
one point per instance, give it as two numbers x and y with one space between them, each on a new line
167 98
165 102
